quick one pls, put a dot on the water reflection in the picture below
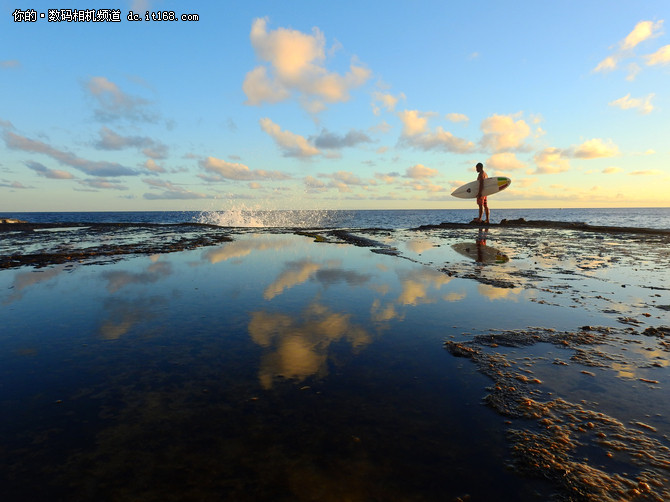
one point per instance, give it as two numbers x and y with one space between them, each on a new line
480 251
297 346
25 279
119 279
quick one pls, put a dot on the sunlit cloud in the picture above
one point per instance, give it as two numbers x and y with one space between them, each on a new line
293 145
504 133
237 171
642 105
644 30
551 161
457 117
45 172
420 171
593 149
504 162
612 170
102 184
416 134
388 101
660 57
297 65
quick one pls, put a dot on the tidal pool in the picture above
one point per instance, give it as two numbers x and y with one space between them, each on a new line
266 368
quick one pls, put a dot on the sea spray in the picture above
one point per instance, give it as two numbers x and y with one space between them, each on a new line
266 218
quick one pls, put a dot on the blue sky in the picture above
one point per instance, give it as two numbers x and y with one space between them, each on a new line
377 105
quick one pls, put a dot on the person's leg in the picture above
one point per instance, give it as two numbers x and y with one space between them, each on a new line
488 213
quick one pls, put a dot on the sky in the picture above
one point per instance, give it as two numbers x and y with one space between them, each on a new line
333 105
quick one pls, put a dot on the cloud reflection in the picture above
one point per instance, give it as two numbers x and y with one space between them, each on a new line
298 347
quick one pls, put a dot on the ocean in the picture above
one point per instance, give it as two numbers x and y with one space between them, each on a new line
393 219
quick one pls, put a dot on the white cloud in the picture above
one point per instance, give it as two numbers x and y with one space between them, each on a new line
551 161
643 105
505 161
420 171
414 122
593 149
292 144
297 64
504 133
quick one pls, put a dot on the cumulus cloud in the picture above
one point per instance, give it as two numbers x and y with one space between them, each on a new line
237 171
505 161
414 122
551 161
504 133
593 149
416 134
642 105
93 168
169 190
556 160
45 172
331 140
420 171
293 145
296 65
114 104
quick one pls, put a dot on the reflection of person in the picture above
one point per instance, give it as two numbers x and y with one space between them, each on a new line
481 244
481 199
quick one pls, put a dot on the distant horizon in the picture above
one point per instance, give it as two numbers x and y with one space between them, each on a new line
366 105
330 209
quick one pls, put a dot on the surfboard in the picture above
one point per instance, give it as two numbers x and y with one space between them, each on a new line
492 186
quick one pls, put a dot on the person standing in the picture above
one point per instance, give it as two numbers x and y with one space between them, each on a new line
481 199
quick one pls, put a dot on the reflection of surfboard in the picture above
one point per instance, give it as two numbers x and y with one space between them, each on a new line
480 252
491 186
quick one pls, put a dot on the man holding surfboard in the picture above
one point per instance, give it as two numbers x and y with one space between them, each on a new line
481 199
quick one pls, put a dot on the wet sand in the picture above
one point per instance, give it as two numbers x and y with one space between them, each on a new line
570 336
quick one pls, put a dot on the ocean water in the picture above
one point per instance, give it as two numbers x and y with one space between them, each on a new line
392 219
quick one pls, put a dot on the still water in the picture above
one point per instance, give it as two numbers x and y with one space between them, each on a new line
268 368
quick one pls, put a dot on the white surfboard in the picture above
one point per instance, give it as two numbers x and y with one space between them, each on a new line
491 186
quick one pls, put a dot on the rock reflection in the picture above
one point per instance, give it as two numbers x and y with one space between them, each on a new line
298 347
